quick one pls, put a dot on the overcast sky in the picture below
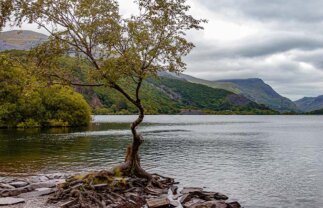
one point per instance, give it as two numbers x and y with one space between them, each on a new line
279 41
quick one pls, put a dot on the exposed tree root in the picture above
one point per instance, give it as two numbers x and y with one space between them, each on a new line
105 190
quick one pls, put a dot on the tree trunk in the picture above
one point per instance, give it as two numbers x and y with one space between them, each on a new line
131 166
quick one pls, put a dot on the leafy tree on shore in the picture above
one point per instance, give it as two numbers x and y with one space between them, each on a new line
118 50
26 101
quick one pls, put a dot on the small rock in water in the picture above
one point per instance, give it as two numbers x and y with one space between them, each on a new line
19 184
219 196
234 205
158 202
10 201
187 190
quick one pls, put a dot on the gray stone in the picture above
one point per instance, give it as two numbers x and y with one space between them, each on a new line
56 176
234 205
158 202
19 184
6 186
187 190
220 196
42 189
10 201
48 184
192 203
15 192
38 179
37 193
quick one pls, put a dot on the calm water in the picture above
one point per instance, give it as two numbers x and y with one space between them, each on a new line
262 161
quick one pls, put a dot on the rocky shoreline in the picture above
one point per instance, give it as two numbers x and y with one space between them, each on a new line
34 192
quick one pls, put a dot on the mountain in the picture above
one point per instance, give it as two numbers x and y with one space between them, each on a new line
173 96
20 40
308 104
254 89
260 92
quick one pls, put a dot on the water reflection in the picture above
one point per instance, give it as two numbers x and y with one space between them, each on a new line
263 161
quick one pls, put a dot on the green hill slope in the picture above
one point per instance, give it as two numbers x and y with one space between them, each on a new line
254 89
173 96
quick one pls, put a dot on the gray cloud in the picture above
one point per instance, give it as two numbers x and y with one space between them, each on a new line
285 47
257 46
272 10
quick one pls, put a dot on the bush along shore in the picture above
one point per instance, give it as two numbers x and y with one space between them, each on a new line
103 191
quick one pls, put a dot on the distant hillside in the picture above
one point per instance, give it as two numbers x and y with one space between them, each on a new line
308 104
198 96
20 40
254 89
173 96
260 92
316 112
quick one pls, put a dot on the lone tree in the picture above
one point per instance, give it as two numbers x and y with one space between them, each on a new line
120 52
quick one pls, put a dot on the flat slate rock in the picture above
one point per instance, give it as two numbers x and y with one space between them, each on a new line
38 192
47 184
10 201
187 190
38 179
19 184
6 186
158 202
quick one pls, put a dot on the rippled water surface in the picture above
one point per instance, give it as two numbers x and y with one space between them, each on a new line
262 161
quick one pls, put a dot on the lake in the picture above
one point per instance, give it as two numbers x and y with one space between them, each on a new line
261 161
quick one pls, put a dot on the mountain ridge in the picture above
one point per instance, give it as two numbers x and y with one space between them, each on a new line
308 104
254 89
20 39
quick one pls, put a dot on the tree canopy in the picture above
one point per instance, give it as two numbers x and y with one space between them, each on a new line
26 101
